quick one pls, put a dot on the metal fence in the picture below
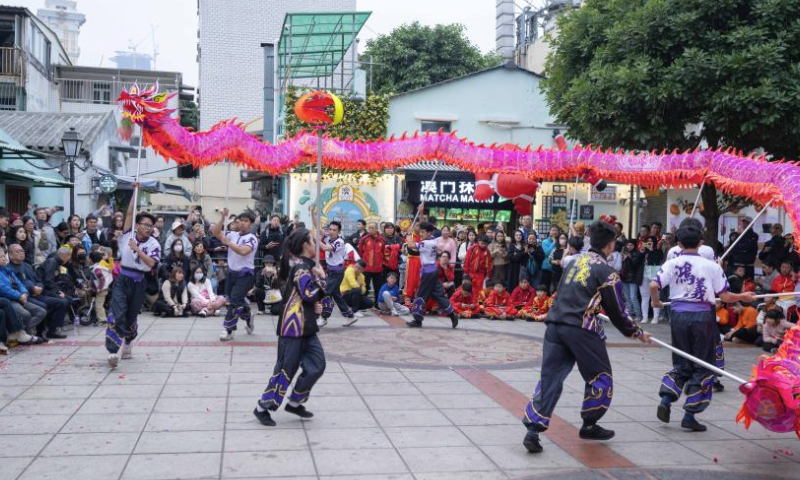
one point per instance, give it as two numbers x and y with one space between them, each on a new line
101 91
9 61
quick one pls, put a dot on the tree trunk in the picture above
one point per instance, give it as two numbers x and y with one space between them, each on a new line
711 215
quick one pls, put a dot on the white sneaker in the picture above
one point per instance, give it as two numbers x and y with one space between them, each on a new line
127 351
358 315
351 321
3 349
113 360
322 322
395 313
21 336
654 321
226 336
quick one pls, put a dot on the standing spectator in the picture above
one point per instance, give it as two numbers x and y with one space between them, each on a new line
199 234
110 235
35 237
620 239
3 226
394 246
555 258
548 245
92 232
271 242
656 231
445 243
499 252
517 261
19 236
644 234
745 252
354 290
579 231
471 239
178 235
436 232
653 258
48 242
204 301
535 255
526 226
632 275
371 248
159 232
478 264
361 230
775 248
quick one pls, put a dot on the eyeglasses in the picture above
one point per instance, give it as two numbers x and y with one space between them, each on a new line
146 225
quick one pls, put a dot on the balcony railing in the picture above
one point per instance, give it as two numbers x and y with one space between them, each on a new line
100 92
10 61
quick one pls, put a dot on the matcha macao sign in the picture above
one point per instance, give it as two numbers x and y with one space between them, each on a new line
346 202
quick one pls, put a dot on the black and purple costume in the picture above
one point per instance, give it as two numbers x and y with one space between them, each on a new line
298 344
575 333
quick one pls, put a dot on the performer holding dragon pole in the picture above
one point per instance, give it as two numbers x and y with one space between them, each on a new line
575 333
694 283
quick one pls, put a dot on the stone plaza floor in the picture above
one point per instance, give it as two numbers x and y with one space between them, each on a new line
394 403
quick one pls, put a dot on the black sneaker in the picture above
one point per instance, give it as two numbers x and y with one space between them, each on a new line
663 412
414 324
718 386
595 432
454 319
531 442
693 425
56 335
299 410
265 418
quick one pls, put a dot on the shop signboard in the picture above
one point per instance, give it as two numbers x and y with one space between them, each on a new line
452 191
455 214
609 195
587 212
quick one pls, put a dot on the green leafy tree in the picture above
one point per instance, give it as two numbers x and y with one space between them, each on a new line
189 114
414 56
634 74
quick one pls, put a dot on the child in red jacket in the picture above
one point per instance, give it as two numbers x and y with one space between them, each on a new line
539 306
521 297
483 294
463 300
498 303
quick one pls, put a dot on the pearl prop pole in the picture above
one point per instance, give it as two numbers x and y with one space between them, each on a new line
574 203
752 222
136 181
318 213
697 199
758 297
414 221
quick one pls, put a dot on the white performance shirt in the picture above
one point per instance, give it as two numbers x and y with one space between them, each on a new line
705 251
237 262
427 251
692 279
335 257
130 259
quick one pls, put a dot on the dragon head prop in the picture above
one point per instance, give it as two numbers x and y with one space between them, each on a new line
140 104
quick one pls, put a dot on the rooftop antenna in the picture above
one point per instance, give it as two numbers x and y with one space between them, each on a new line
155 45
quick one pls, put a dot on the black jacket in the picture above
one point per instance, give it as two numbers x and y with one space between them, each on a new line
272 235
26 275
48 273
745 252
633 267
588 276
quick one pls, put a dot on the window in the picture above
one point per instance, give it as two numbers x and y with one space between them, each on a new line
8 96
101 93
435 126
6 33
187 171
40 46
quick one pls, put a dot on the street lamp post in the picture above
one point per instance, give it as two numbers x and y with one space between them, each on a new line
71 142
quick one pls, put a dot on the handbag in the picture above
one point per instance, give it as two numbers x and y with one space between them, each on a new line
272 296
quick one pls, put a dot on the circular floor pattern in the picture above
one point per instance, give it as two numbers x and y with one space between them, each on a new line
431 348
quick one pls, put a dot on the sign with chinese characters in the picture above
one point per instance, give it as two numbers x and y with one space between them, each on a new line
587 212
107 183
451 191
609 195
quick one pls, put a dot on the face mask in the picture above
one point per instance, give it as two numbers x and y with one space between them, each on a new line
179 248
198 276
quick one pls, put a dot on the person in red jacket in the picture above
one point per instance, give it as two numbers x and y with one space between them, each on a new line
521 297
447 274
539 306
478 263
498 304
370 248
391 253
463 301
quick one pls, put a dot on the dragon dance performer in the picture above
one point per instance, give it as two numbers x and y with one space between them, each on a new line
575 333
429 286
336 251
139 253
298 344
241 270
694 283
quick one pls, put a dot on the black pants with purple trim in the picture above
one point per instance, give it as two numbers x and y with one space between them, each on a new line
127 296
430 287
238 284
332 284
294 353
695 333
565 345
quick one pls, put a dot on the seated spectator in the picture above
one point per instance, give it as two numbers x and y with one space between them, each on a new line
764 282
174 297
11 327
204 301
746 329
539 306
736 281
175 258
354 288
775 326
483 294
784 283
723 317
200 257
56 307
498 304
12 288
463 301
389 297
521 297
770 303
101 278
266 280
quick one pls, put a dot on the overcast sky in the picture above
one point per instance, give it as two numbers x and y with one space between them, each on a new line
114 24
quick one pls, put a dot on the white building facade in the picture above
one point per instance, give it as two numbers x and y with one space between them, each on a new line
64 19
